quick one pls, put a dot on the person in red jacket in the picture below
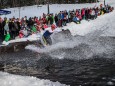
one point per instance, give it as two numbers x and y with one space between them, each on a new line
44 20
45 26
83 13
39 27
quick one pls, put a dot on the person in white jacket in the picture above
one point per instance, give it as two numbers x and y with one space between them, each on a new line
93 14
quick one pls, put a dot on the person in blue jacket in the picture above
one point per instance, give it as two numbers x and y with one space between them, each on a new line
76 20
46 36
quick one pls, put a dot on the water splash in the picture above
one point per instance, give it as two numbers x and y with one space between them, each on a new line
82 47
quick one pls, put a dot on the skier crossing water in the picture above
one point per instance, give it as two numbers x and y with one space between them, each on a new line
46 39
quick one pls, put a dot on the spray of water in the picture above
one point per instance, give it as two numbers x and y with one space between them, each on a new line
78 47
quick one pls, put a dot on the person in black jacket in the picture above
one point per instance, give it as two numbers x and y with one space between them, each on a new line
19 26
86 14
56 19
14 29
11 28
1 30
31 22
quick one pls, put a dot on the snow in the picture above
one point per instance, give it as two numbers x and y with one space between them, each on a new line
16 80
32 37
31 11
104 24
76 29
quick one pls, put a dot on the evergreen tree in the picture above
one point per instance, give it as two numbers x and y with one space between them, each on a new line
18 3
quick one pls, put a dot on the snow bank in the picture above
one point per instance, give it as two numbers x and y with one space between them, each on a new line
15 80
32 37
104 23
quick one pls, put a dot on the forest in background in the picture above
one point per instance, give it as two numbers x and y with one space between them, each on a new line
19 3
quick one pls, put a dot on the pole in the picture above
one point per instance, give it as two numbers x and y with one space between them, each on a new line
19 12
96 1
48 7
19 7
104 2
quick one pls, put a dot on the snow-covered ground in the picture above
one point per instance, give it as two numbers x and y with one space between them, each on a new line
105 24
15 80
81 29
32 37
32 11
102 26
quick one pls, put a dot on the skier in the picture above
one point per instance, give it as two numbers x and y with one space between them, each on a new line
46 35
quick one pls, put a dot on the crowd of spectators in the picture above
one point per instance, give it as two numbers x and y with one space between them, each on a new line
15 27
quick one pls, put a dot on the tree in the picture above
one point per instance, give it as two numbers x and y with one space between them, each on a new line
17 3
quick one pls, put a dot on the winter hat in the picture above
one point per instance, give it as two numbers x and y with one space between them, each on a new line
53 26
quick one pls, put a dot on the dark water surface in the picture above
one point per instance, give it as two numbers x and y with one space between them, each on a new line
98 70
92 72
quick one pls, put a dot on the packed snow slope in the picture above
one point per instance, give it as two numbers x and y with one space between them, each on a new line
104 23
14 80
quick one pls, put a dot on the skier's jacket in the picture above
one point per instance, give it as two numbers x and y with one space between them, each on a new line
47 33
